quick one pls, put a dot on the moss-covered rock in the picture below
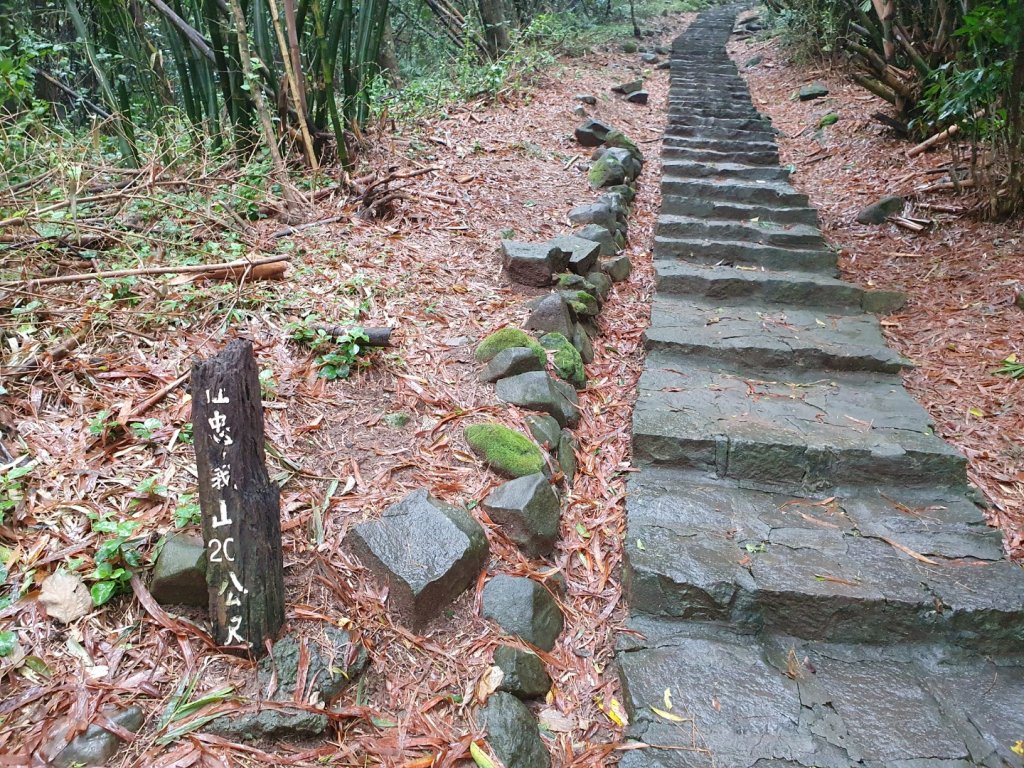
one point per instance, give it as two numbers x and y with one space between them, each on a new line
569 281
616 138
504 339
582 303
506 451
567 361
607 171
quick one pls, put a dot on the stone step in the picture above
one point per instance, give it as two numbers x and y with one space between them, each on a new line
734 253
834 569
761 232
769 337
727 134
721 112
682 117
777 702
787 428
714 88
674 170
769 158
736 190
684 205
729 286
720 145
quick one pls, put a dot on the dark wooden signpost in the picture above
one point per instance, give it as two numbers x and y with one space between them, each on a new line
241 506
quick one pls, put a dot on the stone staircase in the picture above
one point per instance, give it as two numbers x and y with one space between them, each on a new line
810 580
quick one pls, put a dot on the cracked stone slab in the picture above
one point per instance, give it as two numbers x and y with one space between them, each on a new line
809 429
736 191
739 253
770 337
689 169
762 232
682 205
731 285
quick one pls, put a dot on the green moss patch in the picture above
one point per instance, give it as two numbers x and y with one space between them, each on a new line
582 303
505 338
622 141
567 361
506 451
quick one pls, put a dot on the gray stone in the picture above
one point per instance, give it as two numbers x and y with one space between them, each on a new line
664 65
569 281
511 362
601 236
550 315
586 98
753 61
598 214
617 268
581 340
812 91
427 551
605 172
626 191
638 97
532 263
567 456
545 430
662 50
581 303
528 510
179 576
632 167
539 392
523 608
627 88
525 676
602 284
617 203
649 58
878 212
579 110
95 745
513 733
592 133
582 252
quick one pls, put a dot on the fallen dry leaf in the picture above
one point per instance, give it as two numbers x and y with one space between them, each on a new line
65 596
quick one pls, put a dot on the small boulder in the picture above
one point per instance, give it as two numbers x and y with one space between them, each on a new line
638 97
506 451
545 430
511 362
664 65
581 340
606 172
878 212
592 133
617 268
95 745
513 733
505 339
753 61
581 303
426 550
568 281
586 98
601 236
567 456
551 315
649 58
626 191
528 510
662 50
812 91
539 392
582 253
525 676
630 47
566 359
627 88
579 110
602 284
179 575
598 214
523 608
532 263
619 140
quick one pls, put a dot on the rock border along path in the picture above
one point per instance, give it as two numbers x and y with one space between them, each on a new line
809 578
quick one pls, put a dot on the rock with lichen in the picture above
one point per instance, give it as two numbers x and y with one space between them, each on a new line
566 359
505 339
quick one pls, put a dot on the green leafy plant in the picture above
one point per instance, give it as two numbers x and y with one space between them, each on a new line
12 487
1011 367
339 350
114 557
187 511
143 430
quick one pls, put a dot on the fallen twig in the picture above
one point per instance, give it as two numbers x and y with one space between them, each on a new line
378 337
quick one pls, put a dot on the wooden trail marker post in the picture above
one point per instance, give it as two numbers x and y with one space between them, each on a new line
240 504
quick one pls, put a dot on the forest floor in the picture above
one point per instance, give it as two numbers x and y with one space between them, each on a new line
961 276
103 450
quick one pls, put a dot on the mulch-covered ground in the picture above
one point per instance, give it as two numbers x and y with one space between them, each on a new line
961 275
431 270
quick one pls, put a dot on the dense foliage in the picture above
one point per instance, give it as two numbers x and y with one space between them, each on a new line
939 63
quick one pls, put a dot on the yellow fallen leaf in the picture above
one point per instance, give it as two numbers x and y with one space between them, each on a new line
977 413
667 698
480 757
1018 748
668 715
615 713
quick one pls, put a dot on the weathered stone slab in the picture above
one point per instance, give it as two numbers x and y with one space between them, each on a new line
733 252
592 133
718 209
513 733
602 236
539 392
525 676
685 169
551 315
600 214
770 337
583 252
511 362
763 233
532 263
179 575
426 550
